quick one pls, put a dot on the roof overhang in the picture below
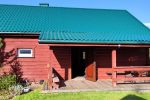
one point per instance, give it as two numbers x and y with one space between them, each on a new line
99 45
59 37
19 34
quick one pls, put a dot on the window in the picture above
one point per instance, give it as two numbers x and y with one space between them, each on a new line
84 55
25 53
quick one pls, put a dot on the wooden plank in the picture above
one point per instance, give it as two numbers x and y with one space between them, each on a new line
70 73
107 69
133 68
114 78
126 67
114 74
132 79
50 72
113 58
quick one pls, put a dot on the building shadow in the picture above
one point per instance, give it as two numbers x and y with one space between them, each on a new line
62 81
132 97
60 63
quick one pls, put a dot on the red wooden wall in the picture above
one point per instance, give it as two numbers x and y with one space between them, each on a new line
61 61
103 62
132 56
60 58
34 68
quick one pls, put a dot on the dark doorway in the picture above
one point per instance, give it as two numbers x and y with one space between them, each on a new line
78 61
83 63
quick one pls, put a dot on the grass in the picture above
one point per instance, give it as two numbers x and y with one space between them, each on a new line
123 95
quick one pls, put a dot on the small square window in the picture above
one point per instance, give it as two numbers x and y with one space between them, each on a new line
25 53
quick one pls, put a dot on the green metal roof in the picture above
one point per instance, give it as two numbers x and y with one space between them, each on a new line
74 25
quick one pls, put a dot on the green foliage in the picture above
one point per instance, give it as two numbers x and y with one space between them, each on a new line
16 89
4 95
6 81
11 92
45 86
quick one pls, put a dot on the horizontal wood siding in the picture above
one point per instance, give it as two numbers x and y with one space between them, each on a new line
103 62
61 61
32 68
131 56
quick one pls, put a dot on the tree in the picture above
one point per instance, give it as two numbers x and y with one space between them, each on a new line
9 58
1 44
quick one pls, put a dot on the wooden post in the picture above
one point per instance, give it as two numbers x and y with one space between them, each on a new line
50 69
70 67
114 74
49 76
114 58
114 77
147 56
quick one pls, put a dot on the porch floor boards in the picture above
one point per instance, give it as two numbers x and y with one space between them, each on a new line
81 84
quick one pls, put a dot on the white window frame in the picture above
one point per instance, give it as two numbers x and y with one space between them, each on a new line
24 55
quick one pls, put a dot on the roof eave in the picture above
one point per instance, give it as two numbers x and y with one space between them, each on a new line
94 42
20 33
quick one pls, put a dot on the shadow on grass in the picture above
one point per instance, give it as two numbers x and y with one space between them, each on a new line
132 97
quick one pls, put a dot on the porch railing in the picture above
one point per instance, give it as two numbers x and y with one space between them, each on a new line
130 69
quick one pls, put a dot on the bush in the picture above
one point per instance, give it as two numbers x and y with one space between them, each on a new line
4 95
16 90
6 81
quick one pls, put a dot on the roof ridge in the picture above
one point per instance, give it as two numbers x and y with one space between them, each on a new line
64 7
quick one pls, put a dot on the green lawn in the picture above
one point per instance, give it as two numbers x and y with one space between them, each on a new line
35 95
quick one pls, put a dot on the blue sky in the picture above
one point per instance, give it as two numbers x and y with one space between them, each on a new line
139 8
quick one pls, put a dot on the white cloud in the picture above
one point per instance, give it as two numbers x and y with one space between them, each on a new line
147 24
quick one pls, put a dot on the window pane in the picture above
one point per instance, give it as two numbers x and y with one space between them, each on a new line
84 55
25 51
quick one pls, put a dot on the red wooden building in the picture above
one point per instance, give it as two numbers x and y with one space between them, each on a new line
95 43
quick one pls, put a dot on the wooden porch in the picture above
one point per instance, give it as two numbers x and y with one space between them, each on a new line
112 59
80 84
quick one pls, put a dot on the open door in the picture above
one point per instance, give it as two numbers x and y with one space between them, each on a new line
90 70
